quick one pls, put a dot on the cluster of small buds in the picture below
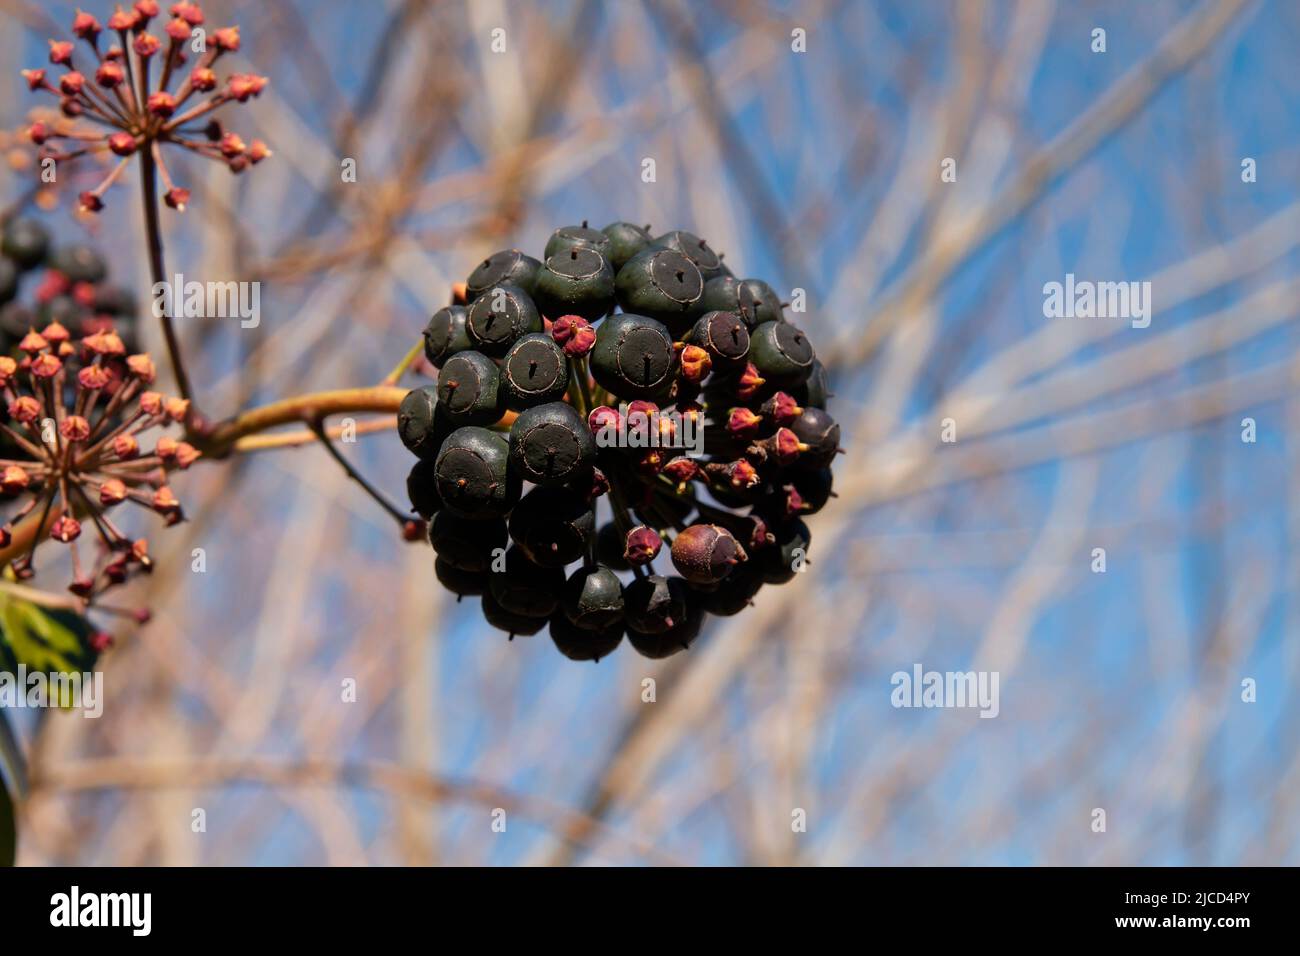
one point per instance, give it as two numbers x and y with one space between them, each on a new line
131 112
81 412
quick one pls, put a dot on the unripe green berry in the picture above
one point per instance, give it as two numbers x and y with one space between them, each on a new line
510 267
465 543
421 424
633 357
516 625
535 371
781 353
576 281
525 588
663 284
25 242
694 248
625 241
753 299
574 237
553 525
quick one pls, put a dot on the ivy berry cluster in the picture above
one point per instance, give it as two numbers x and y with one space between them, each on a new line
623 393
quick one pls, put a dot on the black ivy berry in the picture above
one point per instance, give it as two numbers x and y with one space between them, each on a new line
576 281
752 299
473 474
516 625
551 444
584 644
460 582
553 525
25 242
509 267
467 544
723 335
421 425
535 371
445 335
633 357
422 489
469 389
639 338
820 433
525 588
500 315
79 263
593 598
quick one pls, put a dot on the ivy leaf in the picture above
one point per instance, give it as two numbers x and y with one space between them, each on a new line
12 773
45 639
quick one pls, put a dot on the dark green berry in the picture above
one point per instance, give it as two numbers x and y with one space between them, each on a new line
593 598
781 353
694 248
79 263
422 489
553 525
535 371
821 433
551 444
654 604
500 315
584 644
625 241
421 424
508 267
576 281
116 301
663 284
516 625
733 593
813 393
526 588
753 299
445 335
815 487
25 242
8 279
574 237
473 473
460 582
63 309
633 357
723 335
465 543
469 389
665 643
611 547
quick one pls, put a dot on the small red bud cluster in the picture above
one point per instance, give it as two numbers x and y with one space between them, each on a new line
133 112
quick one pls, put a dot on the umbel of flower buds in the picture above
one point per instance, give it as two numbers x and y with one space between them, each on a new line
66 481
174 112
670 422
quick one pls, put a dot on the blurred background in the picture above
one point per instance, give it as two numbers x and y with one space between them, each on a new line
816 170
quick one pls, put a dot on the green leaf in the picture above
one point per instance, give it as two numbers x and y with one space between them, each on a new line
45 639
12 773
8 828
